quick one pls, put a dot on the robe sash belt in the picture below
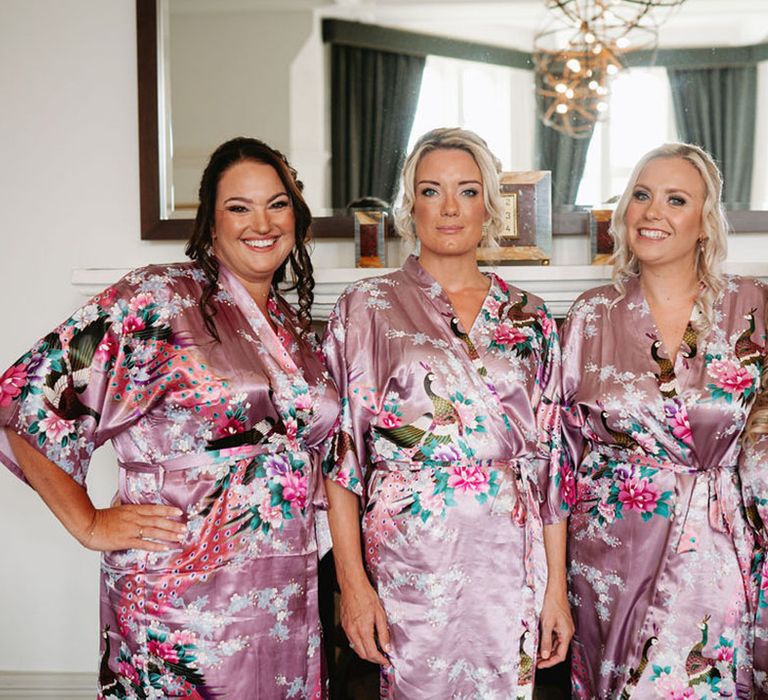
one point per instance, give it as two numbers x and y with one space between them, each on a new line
722 491
315 488
518 497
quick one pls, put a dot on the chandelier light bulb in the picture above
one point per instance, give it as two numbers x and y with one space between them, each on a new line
589 37
612 69
574 65
561 108
569 93
593 84
597 50
561 88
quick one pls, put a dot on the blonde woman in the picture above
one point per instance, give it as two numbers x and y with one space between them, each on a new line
451 440
660 370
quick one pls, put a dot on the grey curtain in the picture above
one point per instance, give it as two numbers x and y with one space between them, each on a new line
565 157
715 108
373 103
560 153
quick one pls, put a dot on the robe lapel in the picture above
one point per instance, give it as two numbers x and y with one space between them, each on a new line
267 337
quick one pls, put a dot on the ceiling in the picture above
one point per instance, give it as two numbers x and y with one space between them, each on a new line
513 23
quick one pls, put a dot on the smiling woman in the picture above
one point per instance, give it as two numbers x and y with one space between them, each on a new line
659 372
254 229
211 390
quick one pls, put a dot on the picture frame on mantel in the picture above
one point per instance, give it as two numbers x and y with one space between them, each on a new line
600 239
526 238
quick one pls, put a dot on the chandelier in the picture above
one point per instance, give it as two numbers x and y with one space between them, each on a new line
577 54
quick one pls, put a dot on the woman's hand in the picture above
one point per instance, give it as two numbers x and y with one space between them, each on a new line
556 629
365 623
362 615
146 527
103 529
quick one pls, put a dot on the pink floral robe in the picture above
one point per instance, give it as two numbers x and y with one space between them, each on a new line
754 479
659 547
229 433
452 441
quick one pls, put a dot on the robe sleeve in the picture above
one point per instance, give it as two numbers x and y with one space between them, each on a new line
571 422
346 461
554 483
82 383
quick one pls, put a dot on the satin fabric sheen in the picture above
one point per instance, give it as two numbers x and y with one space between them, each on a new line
659 546
452 441
229 433
754 479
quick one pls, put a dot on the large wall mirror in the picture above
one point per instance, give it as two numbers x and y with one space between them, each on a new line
213 69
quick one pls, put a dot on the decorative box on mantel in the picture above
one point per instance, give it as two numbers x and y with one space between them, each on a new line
558 285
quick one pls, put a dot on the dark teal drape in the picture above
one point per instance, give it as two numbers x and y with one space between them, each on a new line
715 108
560 153
565 157
373 103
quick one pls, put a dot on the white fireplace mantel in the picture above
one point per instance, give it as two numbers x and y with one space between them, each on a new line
558 285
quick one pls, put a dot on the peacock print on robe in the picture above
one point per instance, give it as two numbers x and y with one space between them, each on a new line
754 479
231 434
659 545
451 438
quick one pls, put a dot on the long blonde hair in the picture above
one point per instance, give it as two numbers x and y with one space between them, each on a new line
713 244
489 164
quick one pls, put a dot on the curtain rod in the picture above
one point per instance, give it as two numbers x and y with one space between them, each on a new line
379 38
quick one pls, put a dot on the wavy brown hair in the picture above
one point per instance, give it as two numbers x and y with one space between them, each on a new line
200 244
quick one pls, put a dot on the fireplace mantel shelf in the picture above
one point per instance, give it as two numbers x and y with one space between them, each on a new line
558 285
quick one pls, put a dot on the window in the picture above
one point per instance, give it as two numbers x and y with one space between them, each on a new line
640 118
493 101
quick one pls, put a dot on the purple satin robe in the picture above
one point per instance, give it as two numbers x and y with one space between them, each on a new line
659 546
754 479
228 432
452 440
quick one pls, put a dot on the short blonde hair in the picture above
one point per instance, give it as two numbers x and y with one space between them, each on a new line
714 229
489 164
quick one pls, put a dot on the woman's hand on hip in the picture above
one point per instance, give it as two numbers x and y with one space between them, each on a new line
148 527
365 623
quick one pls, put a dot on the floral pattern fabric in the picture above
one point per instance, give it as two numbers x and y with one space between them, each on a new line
659 545
452 439
228 432
754 479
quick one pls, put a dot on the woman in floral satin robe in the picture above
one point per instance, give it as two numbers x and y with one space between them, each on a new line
216 402
450 437
659 373
754 479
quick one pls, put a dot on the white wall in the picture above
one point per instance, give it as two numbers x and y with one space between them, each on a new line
229 77
69 198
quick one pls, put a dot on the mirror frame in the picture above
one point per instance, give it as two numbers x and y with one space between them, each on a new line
340 226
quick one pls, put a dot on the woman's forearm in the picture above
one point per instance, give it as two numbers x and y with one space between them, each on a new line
344 519
555 544
68 501
131 526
